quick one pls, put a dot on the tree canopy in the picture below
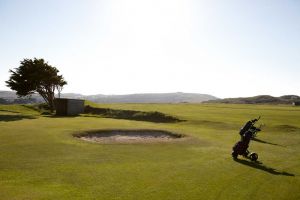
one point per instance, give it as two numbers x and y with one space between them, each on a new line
36 75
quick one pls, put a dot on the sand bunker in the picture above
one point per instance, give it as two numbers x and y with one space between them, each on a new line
129 136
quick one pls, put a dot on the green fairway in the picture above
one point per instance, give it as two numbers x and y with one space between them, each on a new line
40 159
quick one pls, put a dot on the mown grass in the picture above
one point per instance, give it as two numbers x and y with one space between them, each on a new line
40 159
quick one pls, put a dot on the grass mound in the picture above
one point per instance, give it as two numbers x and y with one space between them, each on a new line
131 115
42 108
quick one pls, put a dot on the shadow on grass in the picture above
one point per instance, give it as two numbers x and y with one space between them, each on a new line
156 117
49 115
260 166
9 118
265 142
287 128
3 110
215 124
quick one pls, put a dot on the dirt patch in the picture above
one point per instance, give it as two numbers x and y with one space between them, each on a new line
129 136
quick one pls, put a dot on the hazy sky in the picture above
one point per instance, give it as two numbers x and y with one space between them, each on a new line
225 48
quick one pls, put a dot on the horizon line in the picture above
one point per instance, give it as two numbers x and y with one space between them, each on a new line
165 93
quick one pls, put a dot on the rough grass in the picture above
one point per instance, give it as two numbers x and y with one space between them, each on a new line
152 116
40 159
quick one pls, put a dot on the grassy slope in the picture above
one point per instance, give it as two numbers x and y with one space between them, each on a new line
39 159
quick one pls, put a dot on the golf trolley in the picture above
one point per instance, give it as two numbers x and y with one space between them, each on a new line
247 132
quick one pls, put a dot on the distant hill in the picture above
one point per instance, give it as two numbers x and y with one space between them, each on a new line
9 97
178 97
261 99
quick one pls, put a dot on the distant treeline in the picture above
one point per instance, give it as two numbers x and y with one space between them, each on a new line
261 99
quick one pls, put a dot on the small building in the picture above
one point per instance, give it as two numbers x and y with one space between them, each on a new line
296 103
69 107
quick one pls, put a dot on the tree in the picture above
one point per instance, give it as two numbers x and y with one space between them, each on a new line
36 76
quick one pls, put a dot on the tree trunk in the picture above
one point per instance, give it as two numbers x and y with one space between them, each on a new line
51 101
48 96
51 104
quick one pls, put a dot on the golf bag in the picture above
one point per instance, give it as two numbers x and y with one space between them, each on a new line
247 132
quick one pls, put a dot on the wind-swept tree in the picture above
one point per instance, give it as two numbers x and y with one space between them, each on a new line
36 76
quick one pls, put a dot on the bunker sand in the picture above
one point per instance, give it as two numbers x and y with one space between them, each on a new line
130 136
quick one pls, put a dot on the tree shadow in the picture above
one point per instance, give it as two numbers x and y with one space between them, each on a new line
9 118
265 142
260 166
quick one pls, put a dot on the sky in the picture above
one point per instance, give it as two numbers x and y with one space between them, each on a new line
226 48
